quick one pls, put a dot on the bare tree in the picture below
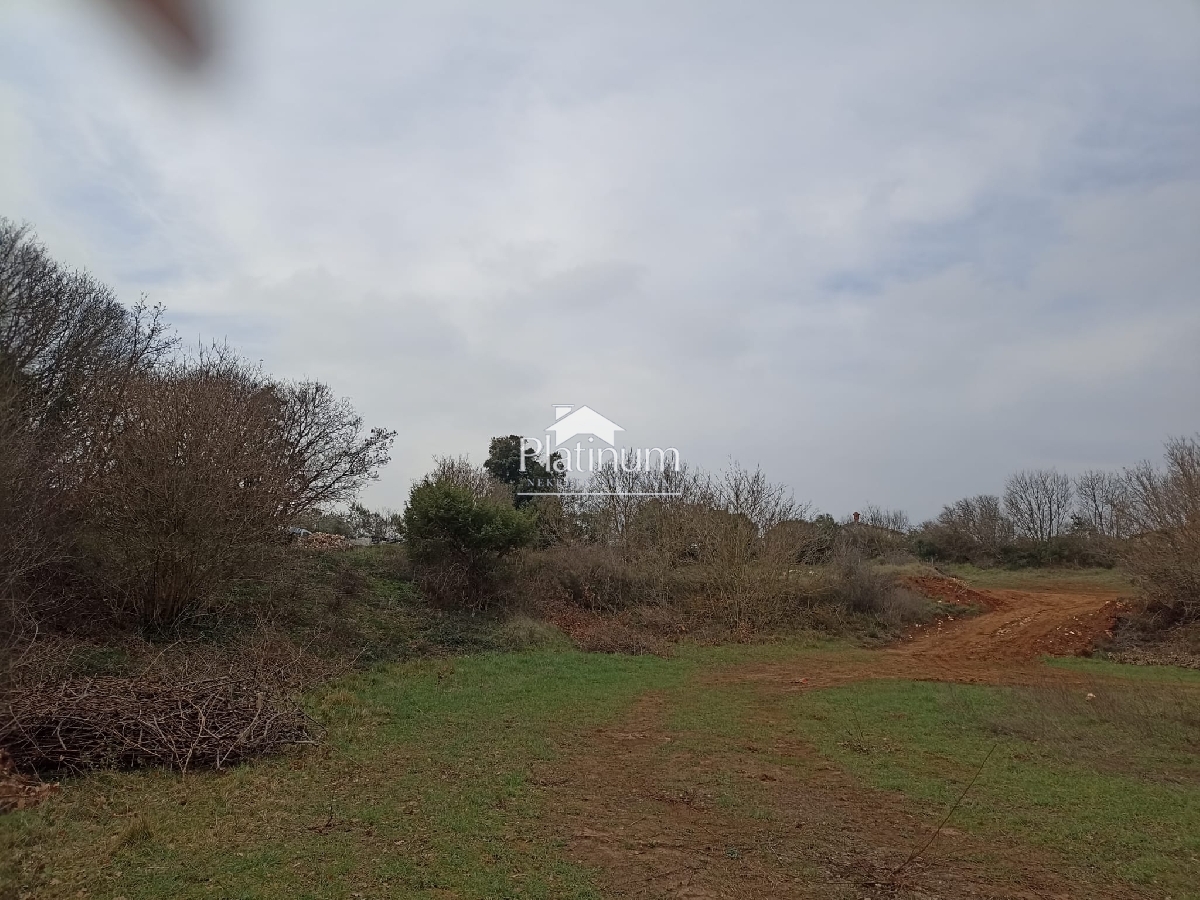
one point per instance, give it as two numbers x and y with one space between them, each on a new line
156 475
1163 509
977 524
68 352
613 497
1100 502
888 519
66 341
1039 503
750 493
328 456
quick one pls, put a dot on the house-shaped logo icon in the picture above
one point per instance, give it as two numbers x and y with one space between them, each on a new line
569 422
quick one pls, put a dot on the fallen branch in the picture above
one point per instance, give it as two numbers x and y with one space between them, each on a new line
917 853
123 723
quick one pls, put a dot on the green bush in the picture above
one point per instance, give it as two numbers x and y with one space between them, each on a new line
456 539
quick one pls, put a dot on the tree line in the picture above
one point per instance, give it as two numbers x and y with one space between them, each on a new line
1040 506
1146 517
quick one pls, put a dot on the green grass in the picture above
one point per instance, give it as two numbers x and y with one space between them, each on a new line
1112 783
1104 667
422 784
1047 579
419 789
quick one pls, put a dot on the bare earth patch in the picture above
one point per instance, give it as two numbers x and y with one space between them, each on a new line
660 814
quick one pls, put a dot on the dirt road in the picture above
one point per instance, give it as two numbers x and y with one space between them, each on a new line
1001 645
637 802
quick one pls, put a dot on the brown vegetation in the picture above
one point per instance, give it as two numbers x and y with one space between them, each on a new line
126 723
141 490
1163 509
138 487
728 553
135 483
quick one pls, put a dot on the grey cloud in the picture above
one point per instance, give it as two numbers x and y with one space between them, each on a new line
890 252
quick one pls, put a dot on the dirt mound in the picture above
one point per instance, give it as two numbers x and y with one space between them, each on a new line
1021 626
950 590
1079 634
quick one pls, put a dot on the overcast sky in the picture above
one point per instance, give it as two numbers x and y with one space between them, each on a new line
890 251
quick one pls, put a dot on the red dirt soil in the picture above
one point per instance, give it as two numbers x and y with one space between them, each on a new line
644 813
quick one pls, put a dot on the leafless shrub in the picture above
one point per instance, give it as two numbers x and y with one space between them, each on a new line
895 520
448 584
194 485
68 351
615 497
605 632
25 496
141 480
743 492
861 587
876 532
864 588
593 577
1162 507
973 529
614 636
802 543
31 526
1039 503
731 551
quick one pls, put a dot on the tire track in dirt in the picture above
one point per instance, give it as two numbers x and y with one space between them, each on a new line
642 804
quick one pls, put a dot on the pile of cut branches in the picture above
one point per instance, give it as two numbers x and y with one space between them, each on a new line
124 723
20 791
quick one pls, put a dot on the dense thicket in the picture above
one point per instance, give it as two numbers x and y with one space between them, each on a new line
1161 509
135 481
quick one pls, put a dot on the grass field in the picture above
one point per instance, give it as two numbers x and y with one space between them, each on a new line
423 785
1040 579
420 787
1112 783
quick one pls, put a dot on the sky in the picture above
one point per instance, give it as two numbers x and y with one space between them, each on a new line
889 252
